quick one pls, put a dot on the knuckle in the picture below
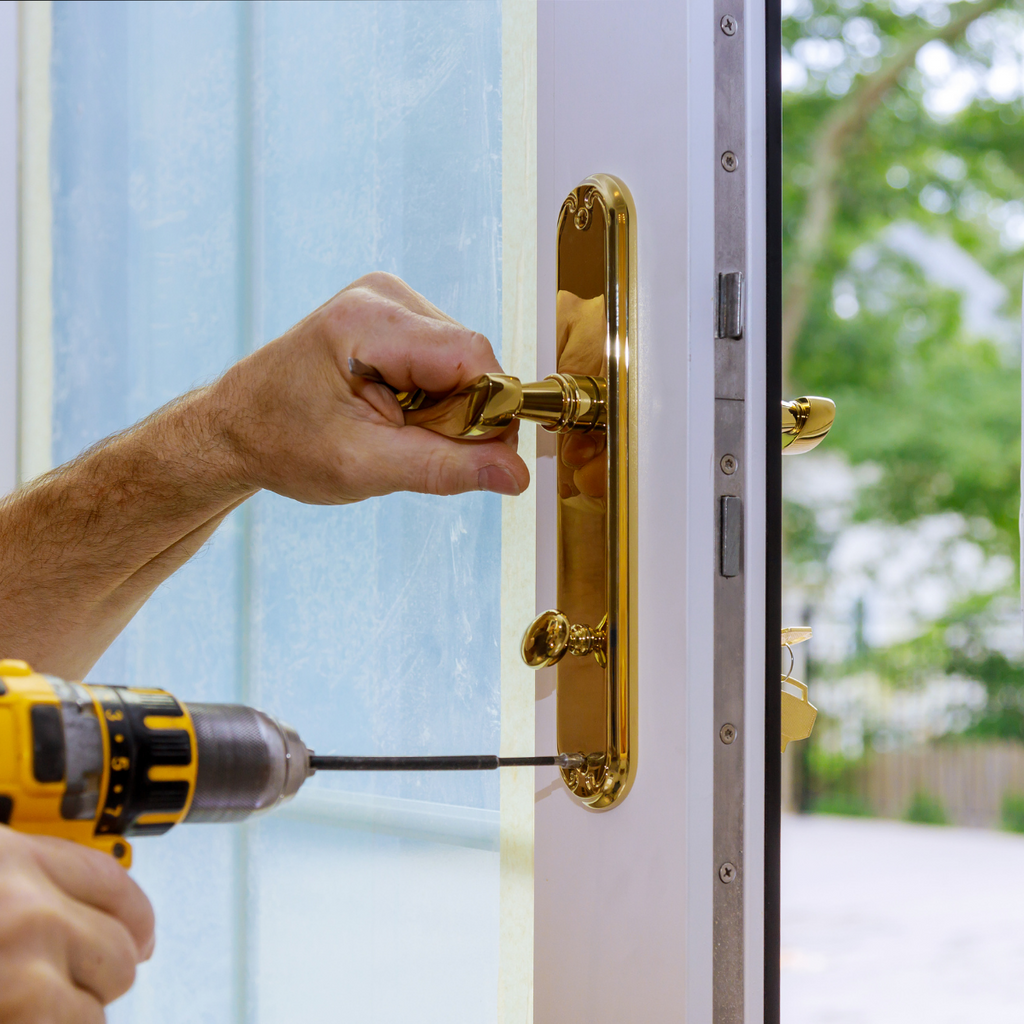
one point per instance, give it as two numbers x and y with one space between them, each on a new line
377 279
119 970
480 345
15 847
440 474
31 913
33 994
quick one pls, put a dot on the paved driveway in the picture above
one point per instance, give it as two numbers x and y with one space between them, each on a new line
890 923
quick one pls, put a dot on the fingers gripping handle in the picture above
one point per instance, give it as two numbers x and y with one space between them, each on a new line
560 403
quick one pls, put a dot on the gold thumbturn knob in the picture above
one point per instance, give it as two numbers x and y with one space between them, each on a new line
805 422
551 635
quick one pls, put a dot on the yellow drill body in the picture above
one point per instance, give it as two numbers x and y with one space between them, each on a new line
98 763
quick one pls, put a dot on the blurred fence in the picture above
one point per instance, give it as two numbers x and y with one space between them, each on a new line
970 781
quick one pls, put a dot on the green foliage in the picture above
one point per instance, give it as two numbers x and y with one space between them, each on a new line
1013 812
847 804
921 395
918 394
926 809
829 782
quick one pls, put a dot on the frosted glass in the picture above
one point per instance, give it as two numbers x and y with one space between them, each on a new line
218 171
361 927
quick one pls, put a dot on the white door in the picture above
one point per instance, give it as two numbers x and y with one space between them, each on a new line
215 171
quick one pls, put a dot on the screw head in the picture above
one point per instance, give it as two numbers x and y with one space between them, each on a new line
119 850
728 24
727 872
729 161
728 464
727 733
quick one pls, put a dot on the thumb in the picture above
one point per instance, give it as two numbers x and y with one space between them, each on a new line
420 460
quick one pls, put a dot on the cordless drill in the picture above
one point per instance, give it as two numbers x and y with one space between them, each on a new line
96 764
99 763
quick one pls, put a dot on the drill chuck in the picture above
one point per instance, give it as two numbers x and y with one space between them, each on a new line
248 762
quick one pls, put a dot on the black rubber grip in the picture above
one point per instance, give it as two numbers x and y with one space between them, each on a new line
233 762
47 743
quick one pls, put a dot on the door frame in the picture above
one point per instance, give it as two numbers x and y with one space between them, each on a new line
635 102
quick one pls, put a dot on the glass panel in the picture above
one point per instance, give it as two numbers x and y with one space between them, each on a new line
903 270
218 171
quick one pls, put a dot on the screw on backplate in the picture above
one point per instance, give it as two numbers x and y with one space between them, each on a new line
728 464
727 733
729 161
727 872
570 761
728 24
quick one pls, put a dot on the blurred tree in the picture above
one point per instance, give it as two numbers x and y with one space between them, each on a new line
839 125
909 113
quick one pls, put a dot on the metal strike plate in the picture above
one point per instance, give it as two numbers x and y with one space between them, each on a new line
595 625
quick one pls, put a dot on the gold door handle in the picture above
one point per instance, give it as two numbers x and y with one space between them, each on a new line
560 403
551 636
805 422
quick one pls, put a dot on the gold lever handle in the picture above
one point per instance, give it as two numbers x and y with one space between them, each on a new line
550 636
561 402
805 422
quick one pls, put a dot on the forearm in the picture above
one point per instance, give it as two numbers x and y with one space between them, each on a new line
82 548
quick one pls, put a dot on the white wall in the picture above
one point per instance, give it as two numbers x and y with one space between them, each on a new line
8 242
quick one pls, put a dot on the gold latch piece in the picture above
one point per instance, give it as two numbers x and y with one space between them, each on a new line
798 713
805 422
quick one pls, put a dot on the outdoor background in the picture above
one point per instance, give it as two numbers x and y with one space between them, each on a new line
904 254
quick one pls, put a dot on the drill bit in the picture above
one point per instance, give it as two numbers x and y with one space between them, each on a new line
458 762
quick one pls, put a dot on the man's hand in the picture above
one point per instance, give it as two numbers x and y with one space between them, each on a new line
73 927
82 548
302 425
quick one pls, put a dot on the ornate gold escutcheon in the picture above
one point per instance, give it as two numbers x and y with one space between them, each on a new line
591 639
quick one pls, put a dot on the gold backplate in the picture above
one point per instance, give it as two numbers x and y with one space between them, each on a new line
597 473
